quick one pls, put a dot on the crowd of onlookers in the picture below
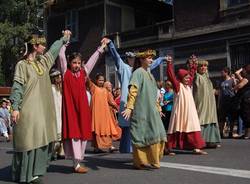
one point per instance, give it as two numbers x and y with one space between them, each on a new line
232 100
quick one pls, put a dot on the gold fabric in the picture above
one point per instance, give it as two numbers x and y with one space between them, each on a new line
149 155
133 91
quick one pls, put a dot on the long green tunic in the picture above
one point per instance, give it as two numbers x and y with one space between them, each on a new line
206 107
146 125
37 124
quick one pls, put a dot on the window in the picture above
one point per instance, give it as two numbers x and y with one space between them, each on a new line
72 23
163 67
111 74
240 55
231 3
228 4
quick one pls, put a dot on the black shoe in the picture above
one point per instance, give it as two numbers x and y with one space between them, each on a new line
60 157
54 157
96 150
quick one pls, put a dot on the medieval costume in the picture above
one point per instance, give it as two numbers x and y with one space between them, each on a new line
184 130
76 129
55 76
104 125
124 75
36 128
147 131
206 107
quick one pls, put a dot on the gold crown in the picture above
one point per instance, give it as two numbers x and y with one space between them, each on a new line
202 62
38 40
146 53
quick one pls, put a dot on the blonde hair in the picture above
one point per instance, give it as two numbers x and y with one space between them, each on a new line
169 83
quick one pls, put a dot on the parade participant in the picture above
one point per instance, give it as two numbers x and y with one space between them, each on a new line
56 81
192 68
104 126
147 132
204 99
33 109
113 110
184 130
117 96
76 111
124 70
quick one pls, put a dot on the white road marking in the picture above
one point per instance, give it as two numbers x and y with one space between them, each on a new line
206 169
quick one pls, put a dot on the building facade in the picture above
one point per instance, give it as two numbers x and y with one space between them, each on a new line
215 30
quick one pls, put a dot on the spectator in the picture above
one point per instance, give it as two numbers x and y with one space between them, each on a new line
4 119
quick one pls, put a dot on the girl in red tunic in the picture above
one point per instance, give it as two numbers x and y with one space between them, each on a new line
76 128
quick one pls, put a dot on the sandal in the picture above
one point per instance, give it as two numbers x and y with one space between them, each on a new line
169 153
112 149
199 152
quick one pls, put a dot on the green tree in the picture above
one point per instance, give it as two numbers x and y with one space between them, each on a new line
18 19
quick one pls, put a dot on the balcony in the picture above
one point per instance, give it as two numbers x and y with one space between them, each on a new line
144 35
228 12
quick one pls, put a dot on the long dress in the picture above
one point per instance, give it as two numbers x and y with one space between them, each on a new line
184 130
36 128
206 107
124 74
103 125
113 107
57 96
147 130
76 115
76 111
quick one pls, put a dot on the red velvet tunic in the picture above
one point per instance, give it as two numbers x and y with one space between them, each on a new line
76 111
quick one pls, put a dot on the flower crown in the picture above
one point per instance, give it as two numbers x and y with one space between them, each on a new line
146 53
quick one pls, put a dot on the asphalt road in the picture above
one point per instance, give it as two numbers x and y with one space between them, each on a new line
229 164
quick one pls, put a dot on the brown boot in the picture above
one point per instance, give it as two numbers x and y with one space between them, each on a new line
81 170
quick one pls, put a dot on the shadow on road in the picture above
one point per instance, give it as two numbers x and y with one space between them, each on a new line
5 174
94 163
60 169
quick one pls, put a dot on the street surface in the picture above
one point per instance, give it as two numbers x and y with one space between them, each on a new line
229 164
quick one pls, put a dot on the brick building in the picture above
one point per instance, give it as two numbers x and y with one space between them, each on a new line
216 30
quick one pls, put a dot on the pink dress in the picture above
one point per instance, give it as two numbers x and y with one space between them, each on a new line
184 130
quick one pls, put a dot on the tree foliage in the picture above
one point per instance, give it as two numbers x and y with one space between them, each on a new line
18 19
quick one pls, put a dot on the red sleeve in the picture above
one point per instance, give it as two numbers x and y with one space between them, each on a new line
192 73
111 101
172 78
